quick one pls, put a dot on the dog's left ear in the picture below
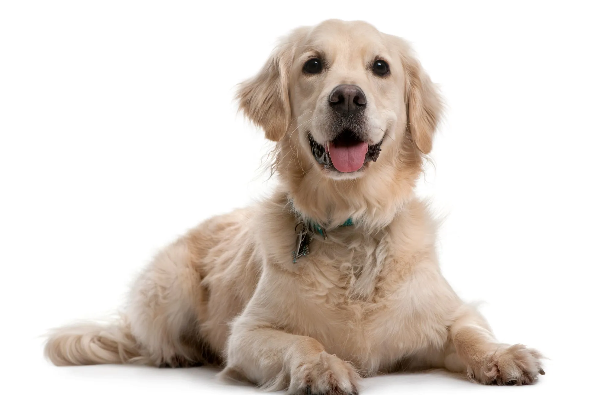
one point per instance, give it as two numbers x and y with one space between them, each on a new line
264 99
423 103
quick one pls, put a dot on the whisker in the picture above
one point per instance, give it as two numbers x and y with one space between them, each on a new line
291 133
279 161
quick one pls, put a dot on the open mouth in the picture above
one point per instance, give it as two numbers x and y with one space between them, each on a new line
346 153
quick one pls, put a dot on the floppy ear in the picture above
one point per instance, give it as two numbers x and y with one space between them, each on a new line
423 103
264 99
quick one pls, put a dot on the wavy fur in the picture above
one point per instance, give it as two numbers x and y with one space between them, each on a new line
367 299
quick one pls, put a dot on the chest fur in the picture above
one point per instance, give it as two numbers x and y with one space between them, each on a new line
363 302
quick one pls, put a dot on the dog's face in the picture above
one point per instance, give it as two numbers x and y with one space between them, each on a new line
347 94
347 103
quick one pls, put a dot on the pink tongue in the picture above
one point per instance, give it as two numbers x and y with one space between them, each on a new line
347 159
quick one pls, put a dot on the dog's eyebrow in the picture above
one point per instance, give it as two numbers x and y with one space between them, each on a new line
312 49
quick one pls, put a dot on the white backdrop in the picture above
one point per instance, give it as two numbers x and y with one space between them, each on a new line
118 132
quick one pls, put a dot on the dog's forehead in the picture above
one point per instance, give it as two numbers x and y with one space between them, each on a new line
336 37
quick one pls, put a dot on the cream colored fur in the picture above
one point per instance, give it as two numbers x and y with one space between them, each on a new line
367 299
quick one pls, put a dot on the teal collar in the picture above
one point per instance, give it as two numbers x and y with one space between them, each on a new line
311 225
315 227
304 231
305 228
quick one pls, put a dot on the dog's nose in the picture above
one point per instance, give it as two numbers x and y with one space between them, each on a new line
347 99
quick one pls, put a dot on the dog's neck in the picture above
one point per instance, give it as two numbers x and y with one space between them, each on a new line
372 201
313 226
368 208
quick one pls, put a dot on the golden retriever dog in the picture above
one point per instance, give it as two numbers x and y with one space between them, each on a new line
335 276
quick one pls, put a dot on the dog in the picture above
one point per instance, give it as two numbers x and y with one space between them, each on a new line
334 276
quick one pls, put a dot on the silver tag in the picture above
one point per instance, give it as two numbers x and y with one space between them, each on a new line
303 240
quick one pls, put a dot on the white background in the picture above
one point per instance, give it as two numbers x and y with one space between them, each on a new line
118 132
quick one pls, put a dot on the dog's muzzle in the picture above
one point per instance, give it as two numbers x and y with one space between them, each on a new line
322 154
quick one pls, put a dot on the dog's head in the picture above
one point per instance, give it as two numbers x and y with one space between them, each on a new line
353 112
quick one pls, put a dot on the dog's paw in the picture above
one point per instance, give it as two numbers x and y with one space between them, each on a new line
513 365
323 374
178 361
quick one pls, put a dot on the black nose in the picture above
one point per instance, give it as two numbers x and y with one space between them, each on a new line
347 99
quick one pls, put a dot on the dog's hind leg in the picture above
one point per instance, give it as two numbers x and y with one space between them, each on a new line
159 326
162 309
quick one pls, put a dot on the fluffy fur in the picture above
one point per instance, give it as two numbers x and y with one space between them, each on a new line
368 298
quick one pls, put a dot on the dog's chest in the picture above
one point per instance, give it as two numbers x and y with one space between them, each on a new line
357 301
346 267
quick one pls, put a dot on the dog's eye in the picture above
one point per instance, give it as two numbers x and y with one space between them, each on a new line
380 68
313 66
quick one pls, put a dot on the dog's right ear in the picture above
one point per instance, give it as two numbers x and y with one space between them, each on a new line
264 99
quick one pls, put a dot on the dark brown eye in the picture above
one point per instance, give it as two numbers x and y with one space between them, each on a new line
313 66
380 68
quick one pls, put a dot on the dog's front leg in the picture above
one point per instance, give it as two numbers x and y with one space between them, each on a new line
490 362
278 360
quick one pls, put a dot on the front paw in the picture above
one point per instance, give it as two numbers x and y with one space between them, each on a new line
508 365
323 374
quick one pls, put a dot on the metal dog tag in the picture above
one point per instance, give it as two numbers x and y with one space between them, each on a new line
302 245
